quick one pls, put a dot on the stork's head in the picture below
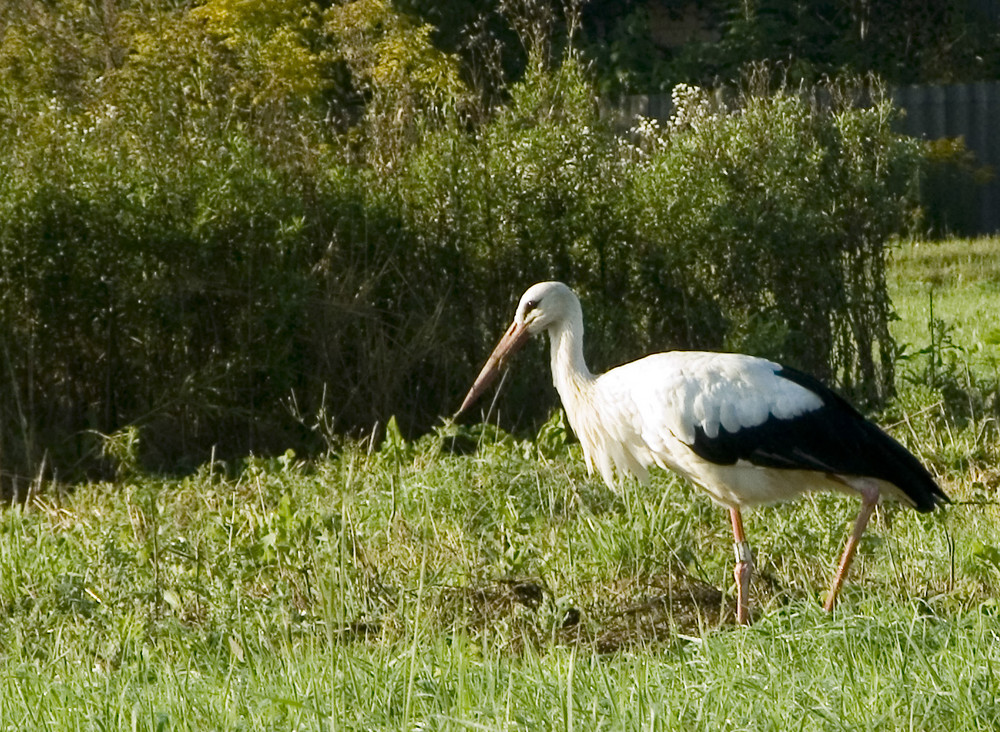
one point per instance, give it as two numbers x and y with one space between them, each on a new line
545 304
541 307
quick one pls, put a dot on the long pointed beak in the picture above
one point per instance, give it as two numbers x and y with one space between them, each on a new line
515 337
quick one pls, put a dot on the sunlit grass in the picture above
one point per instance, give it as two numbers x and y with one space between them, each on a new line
416 588
379 592
956 281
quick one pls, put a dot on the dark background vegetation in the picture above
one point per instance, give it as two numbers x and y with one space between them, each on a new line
244 226
646 46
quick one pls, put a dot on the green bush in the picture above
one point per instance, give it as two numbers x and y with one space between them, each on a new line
199 242
534 194
773 213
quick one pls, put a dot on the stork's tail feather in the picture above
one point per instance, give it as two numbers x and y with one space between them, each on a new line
864 448
905 471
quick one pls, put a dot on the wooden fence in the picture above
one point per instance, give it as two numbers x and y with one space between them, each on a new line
970 111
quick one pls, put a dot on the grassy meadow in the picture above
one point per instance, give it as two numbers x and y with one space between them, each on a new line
470 580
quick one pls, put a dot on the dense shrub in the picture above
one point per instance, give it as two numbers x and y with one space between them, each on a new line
182 255
535 194
231 256
775 212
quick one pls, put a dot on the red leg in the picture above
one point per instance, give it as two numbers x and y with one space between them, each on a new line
869 499
743 568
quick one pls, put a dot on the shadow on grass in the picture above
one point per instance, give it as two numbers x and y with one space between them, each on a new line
654 611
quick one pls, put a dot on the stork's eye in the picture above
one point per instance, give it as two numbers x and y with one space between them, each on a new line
530 305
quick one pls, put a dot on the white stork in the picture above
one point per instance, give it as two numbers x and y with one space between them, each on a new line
747 430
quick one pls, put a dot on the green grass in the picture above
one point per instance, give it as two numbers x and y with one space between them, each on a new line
956 281
414 587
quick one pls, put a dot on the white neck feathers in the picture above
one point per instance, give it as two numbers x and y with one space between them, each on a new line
570 374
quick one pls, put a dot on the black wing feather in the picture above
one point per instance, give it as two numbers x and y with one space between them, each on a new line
835 438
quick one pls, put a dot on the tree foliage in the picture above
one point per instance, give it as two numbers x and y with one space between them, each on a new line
646 46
